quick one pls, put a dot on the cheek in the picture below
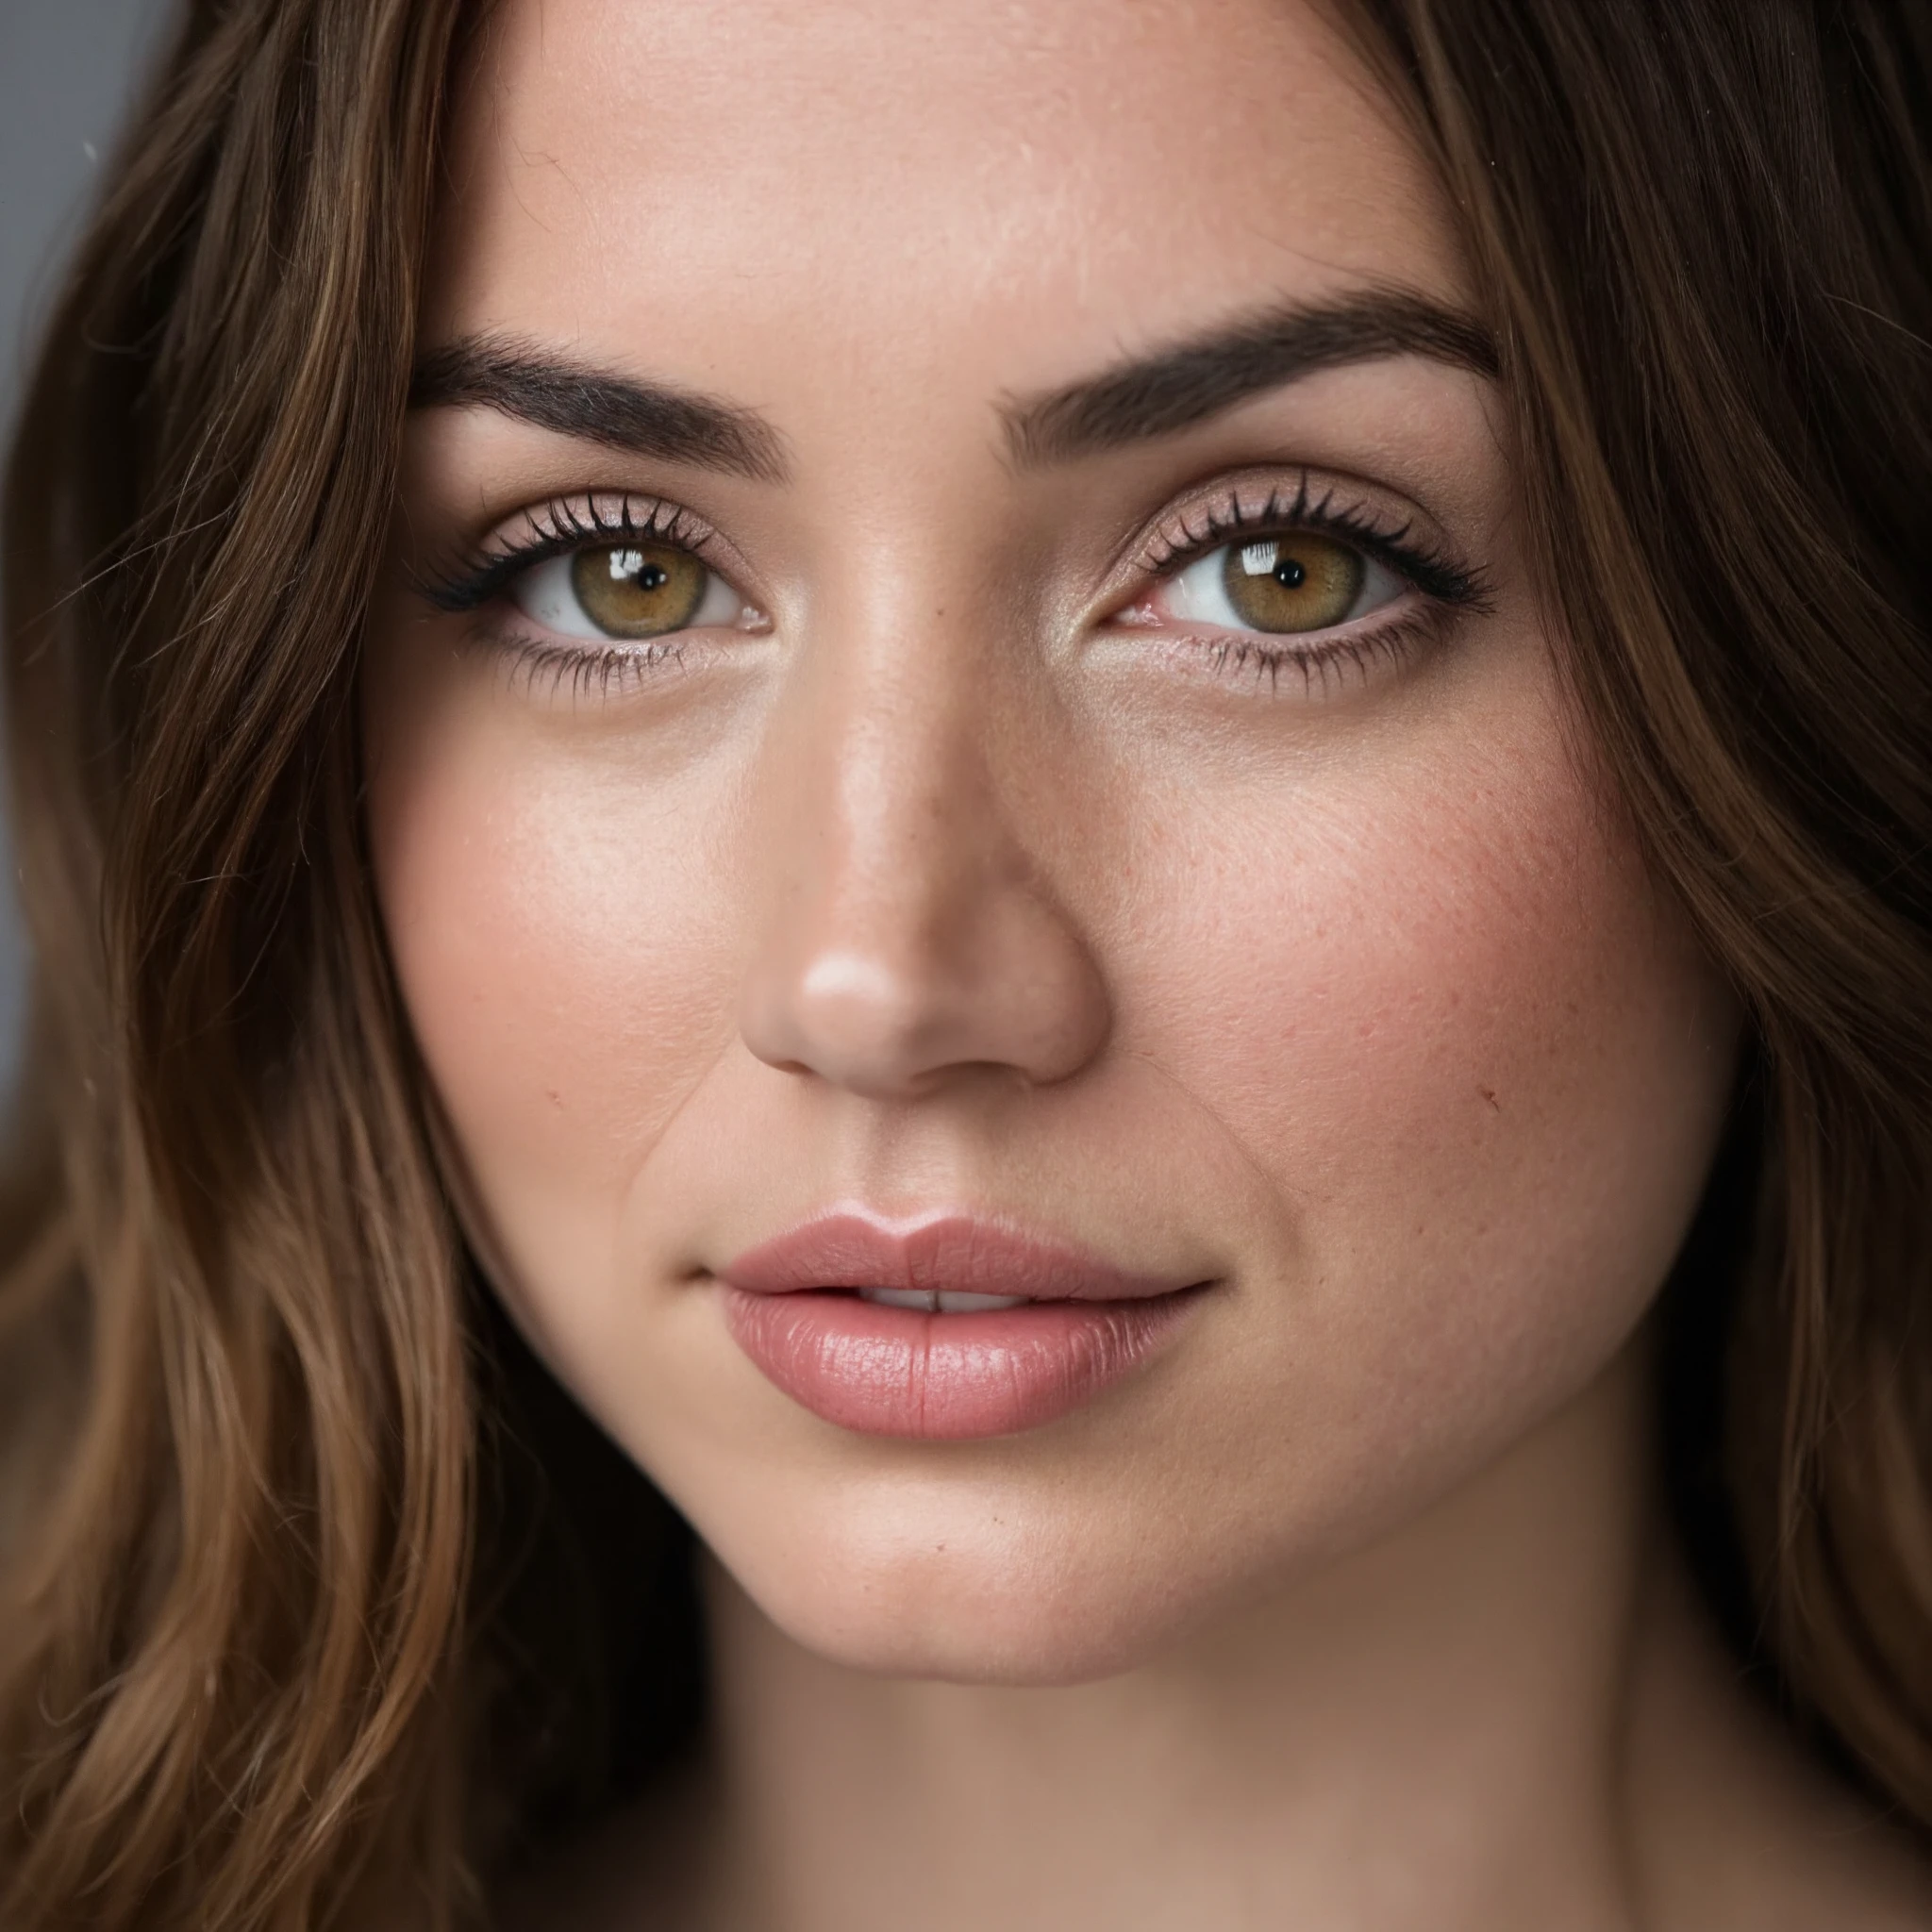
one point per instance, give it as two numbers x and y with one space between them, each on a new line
1480 1061
565 945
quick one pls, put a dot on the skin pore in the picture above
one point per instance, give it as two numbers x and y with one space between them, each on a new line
969 854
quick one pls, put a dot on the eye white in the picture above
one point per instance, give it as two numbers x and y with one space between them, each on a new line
1198 593
546 593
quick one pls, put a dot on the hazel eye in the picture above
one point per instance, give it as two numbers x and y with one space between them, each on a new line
1293 581
627 591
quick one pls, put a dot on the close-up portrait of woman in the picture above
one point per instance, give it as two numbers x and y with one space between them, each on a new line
981 974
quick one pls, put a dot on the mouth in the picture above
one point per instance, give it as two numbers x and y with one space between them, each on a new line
952 1328
941 1301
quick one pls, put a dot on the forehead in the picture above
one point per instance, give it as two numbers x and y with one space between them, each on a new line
1031 185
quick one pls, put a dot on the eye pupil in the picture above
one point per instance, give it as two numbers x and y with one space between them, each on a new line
638 590
1296 582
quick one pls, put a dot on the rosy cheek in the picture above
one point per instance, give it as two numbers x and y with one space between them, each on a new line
1404 972
565 951
1447 1017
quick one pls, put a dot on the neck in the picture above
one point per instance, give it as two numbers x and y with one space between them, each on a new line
1429 1734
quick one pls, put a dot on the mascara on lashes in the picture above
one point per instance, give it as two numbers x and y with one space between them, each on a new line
571 525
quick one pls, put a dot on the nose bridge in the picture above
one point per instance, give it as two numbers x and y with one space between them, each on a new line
910 927
912 820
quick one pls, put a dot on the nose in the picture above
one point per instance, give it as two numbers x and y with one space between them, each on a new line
912 930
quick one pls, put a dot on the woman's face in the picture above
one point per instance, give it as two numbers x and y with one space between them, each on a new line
1024 760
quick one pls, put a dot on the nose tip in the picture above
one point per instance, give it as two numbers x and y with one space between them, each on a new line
863 1027
891 1002
854 1022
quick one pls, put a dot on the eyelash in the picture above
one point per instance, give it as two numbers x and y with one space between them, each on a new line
1177 542
556 530
1446 587
570 523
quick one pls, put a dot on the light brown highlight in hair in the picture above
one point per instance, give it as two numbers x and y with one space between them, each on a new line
228 1642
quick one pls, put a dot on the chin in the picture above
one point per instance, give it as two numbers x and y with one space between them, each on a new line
1004 1601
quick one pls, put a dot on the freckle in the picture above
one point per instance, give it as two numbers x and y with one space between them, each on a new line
1488 1094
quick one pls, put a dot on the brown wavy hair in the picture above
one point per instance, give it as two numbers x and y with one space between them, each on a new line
266 1444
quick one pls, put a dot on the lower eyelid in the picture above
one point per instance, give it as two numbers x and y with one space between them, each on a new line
548 664
1341 657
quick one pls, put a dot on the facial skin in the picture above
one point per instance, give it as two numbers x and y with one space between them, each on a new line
968 858
945 886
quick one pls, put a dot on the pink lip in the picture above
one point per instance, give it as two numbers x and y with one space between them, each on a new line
901 1371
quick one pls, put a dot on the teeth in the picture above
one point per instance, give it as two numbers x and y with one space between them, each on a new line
943 1301
921 1298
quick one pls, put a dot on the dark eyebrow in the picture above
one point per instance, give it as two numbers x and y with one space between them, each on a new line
621 412
1178 387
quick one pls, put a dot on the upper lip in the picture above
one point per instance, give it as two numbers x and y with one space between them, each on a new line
962 1253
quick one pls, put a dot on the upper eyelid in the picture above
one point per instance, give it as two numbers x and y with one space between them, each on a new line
1319 502
561 523
558 526
1224 516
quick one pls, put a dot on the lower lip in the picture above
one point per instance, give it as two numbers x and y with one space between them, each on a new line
882 1371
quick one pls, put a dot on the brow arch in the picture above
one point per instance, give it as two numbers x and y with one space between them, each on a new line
552 391
1191 382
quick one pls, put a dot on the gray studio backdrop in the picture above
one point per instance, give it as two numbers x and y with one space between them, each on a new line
66 68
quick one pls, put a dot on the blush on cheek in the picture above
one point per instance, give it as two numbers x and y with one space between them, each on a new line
1484 1062
540 986
566 963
